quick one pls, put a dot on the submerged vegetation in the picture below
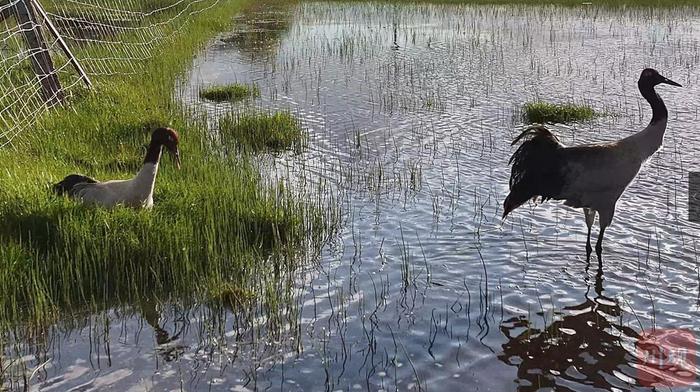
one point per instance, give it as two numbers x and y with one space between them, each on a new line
262 131
230 93
545 112
215 223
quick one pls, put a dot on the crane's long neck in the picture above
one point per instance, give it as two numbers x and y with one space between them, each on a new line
658 108
652 136
153 153
145 180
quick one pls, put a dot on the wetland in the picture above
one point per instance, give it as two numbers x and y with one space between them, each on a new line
407 112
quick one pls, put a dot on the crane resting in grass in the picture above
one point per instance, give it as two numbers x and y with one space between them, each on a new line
136 192
591 176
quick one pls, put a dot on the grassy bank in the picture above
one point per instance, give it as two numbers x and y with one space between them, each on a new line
214 223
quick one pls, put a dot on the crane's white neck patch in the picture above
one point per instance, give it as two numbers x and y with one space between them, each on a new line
145 180
148 169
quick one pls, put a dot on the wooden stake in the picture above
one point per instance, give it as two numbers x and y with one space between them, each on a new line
41 58
62 43
5 12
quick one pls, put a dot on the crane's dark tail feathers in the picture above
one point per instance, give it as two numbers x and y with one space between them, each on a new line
67 185
536 168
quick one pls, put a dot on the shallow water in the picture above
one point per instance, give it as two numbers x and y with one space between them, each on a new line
410 111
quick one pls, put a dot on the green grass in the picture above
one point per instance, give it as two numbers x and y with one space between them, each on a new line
545 112
262 131
214 224
230 93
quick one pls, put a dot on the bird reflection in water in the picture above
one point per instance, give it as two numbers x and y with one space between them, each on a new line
168 346
584 345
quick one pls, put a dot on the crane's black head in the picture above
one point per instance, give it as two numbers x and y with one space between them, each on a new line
168 138
651 77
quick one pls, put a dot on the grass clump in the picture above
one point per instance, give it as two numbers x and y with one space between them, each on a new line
229 93
262 131
545 112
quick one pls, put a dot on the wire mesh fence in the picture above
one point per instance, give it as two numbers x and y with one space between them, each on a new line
51 49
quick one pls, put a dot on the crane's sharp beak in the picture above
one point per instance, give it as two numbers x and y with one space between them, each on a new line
671 82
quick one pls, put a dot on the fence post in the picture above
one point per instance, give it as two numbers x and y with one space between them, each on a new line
5 11
41 58
66 50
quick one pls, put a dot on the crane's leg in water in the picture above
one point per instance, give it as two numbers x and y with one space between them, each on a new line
606 217
590 218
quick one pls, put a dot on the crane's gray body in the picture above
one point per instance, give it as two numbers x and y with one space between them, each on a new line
597 175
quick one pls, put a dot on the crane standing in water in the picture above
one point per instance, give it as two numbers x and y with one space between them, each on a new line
591 176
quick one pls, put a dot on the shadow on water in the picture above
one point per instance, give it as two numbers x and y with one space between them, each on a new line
584 344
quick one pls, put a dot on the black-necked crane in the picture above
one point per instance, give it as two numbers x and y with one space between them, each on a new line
592 177
136 192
